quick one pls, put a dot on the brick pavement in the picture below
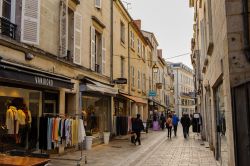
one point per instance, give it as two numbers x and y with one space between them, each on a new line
156 149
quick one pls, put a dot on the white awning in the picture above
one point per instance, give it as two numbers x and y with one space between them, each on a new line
95 86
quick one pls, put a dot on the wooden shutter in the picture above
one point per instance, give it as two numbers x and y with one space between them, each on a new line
98 3
77 37
30 25
103 55
63 28
92 47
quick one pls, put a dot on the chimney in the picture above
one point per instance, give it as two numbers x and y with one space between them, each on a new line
159 52
138 23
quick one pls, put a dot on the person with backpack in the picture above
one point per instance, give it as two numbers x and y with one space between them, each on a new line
175 123
137 128
169 124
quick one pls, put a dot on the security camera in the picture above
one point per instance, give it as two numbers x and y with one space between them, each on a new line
29 56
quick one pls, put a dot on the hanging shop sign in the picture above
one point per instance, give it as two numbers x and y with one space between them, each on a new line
120 81
152 93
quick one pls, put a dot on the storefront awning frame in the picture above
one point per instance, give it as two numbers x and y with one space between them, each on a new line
135 99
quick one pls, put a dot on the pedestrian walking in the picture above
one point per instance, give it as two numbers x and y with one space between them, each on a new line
163 121
169 125
175 123
137 127
185 121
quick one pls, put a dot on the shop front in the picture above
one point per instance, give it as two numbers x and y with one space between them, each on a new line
25 95
96 105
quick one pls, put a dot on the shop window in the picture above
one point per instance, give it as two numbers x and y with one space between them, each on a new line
96 112
20 110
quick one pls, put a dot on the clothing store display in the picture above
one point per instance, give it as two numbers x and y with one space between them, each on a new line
53 130
11 116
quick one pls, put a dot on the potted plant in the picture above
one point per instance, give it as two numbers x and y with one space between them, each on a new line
88 140
106 135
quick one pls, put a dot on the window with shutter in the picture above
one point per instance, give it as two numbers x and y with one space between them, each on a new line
98 4
103 55
139 79
92 51
77 38
133 76
30 25
63 28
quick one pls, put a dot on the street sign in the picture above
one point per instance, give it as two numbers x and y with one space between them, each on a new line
152 93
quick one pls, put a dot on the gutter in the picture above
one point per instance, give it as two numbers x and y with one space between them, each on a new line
246 29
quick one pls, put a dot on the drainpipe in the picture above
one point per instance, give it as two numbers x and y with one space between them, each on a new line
111 41
129 72
246 29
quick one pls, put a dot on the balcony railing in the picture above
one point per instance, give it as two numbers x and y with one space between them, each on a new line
7 28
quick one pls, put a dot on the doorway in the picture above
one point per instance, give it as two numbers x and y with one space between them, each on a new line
221 138
241 119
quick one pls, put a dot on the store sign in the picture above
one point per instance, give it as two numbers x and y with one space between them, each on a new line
43 81
120 81
152 93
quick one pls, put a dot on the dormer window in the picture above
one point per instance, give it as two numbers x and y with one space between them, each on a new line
98 4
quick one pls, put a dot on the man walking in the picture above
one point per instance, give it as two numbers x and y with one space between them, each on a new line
185 121
175 123
138 127
169 124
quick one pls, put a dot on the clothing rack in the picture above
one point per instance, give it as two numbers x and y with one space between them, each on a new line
81 157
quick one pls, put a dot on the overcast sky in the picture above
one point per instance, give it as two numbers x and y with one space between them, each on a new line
170 20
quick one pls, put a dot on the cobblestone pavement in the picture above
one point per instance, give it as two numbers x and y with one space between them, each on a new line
156 150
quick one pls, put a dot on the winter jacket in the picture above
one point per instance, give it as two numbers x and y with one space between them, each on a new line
175 120
185 121
137 125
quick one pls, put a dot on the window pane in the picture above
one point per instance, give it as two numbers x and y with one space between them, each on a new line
6 9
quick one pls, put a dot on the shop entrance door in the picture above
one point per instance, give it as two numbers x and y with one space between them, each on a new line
51 102
221 139
241 116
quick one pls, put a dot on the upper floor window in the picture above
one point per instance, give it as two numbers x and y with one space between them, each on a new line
122 32
98 4
98 51
139 79
70 33
143 52
6 9
132 39
133 76
122 66
138 47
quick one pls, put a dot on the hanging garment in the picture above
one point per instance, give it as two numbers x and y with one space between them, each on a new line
21 117
43 133
81 131
10 118
49 133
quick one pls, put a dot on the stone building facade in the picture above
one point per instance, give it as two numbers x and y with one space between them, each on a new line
184 89
220 54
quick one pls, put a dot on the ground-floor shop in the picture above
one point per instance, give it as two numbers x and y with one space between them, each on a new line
96 105
25 95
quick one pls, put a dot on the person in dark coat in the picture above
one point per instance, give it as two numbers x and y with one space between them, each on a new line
185 121
137 128
163 121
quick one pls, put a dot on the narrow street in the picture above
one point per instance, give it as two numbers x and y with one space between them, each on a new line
156 149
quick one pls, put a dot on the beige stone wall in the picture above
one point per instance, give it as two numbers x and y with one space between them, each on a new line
120 49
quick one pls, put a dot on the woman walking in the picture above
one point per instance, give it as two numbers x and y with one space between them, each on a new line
169 125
